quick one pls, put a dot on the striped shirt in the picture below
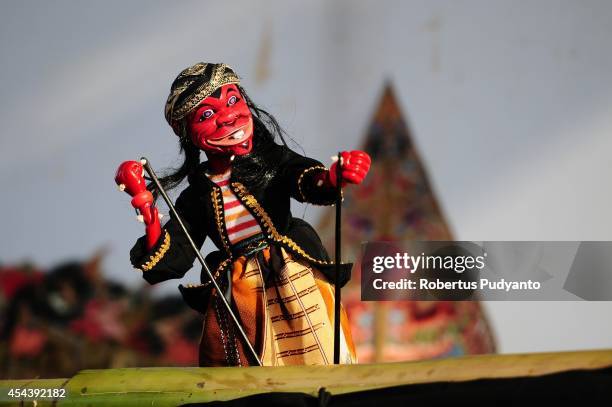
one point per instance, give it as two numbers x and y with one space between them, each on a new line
239 222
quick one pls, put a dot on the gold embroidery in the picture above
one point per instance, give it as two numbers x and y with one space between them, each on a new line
222 75
173 98
157 256
306 171
269 227
217 201
196 69
221 267
216 275
302 193
250 201
217 204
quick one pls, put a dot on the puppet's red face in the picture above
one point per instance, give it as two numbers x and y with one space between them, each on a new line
223 124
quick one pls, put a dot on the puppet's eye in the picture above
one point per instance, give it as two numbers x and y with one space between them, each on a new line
232 100
207 113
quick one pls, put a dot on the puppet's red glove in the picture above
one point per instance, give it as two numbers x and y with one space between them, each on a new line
355 167
130 178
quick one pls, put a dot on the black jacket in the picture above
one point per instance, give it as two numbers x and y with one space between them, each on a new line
200 207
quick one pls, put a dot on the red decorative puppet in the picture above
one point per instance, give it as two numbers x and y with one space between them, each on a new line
272 267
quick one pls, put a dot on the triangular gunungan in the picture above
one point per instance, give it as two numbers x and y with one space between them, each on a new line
397 203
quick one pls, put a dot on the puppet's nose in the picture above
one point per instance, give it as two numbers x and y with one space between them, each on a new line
227 118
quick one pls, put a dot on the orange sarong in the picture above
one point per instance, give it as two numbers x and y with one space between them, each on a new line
289 321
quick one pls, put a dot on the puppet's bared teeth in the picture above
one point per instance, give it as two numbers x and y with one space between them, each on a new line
237 135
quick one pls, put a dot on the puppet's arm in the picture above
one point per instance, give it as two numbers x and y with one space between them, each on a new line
172 256
310 181
163 253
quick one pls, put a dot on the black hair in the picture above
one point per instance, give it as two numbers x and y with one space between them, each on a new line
251 169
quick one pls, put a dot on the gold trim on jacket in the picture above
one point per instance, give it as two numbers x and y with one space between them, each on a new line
266 223
157 256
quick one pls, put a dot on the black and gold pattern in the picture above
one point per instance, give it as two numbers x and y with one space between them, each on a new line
193 85
201 208
267 225
303 174
217 201
157 256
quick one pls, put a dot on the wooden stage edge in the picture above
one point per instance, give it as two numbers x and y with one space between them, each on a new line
171 386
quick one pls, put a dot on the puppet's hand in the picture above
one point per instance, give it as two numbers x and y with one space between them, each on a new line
355 167
130 178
